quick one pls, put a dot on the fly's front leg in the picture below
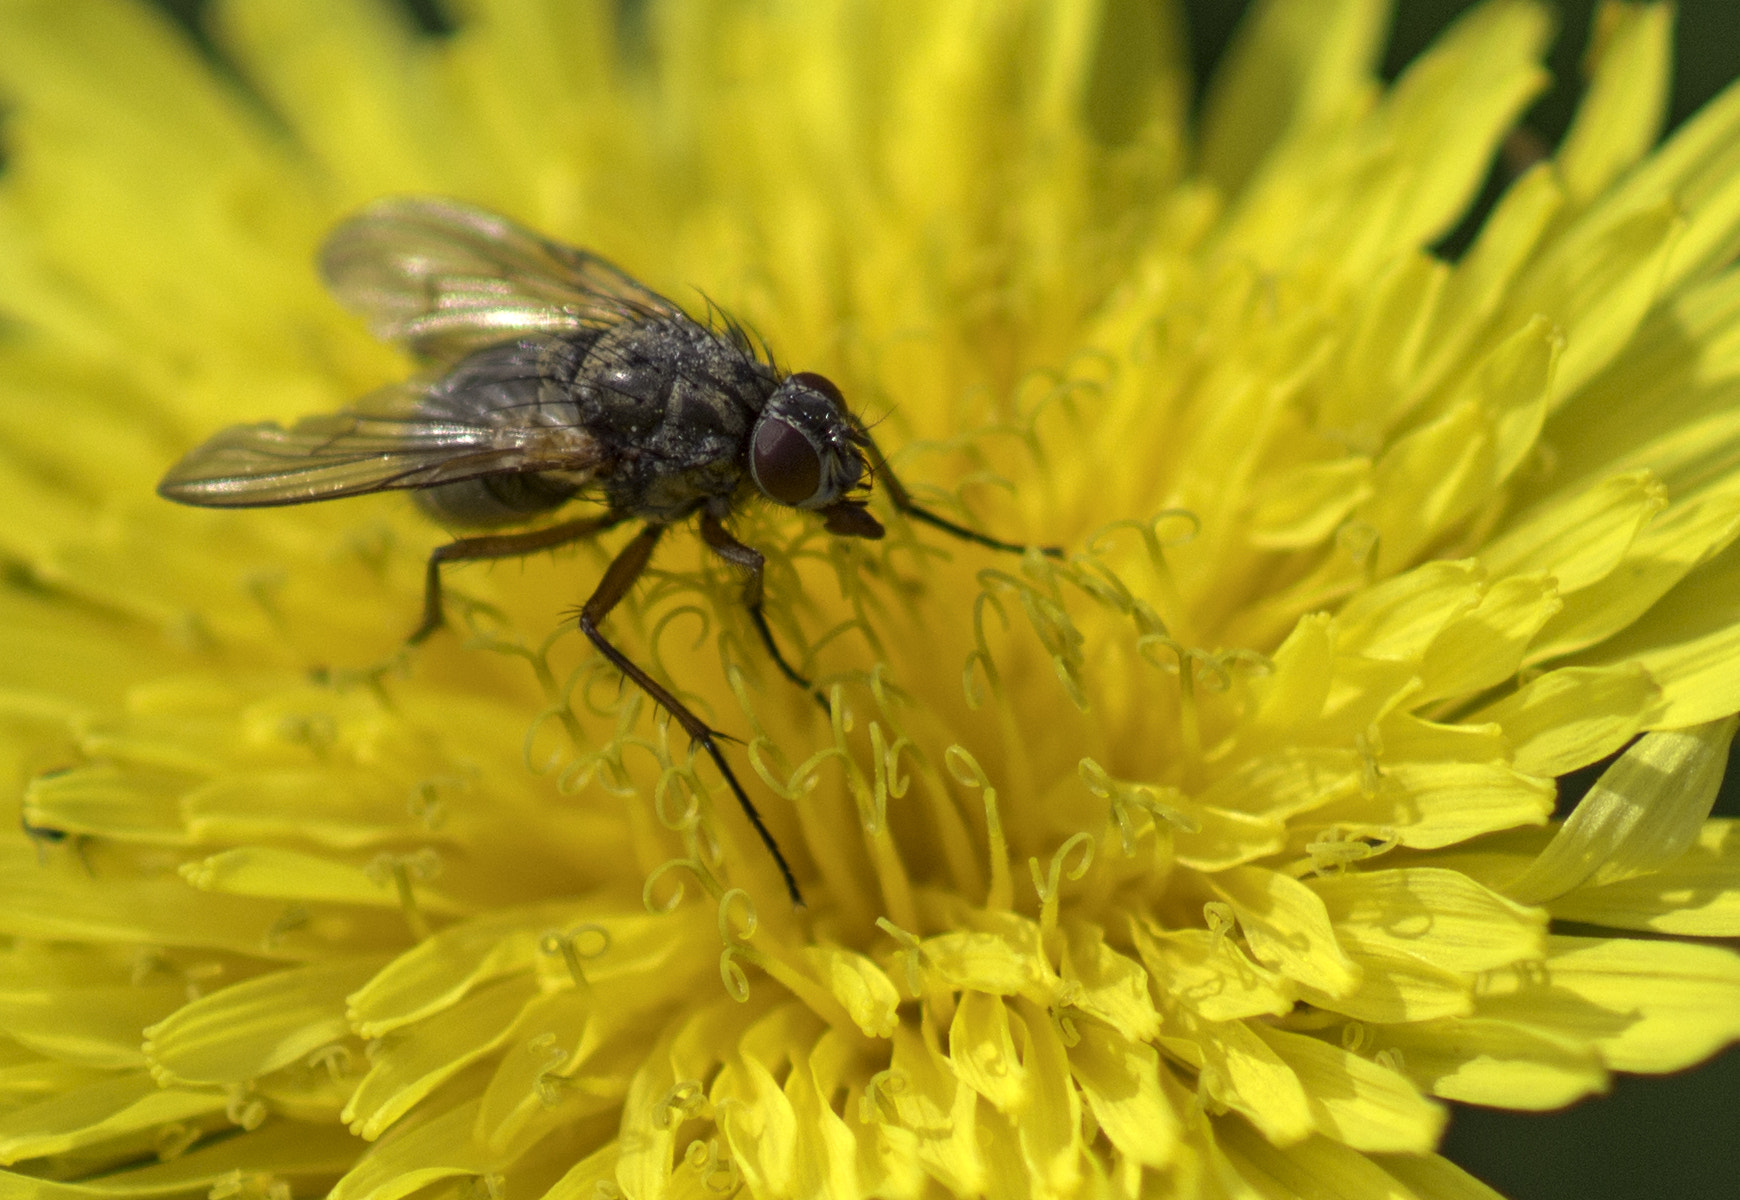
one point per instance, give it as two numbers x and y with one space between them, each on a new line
903 501
714 533
506 545
620 576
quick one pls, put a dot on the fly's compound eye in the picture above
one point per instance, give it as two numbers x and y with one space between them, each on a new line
821 384
784 462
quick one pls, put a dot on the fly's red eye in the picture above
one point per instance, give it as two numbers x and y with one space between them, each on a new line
822 384
784 463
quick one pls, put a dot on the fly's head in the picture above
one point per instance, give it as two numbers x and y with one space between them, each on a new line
806 453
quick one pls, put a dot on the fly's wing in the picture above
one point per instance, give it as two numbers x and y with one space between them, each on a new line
445 279
390 439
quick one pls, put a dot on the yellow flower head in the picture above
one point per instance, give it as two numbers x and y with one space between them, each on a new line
1197 862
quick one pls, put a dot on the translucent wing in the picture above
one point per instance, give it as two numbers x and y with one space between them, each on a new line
446 279
405 436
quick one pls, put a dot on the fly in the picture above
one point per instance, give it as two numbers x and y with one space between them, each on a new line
552 376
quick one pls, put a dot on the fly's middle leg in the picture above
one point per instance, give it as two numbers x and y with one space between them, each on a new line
620 576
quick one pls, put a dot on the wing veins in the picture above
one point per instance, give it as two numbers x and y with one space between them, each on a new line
445 278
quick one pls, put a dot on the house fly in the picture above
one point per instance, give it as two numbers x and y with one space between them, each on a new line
553 376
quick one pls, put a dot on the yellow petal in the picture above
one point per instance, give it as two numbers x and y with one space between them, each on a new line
404 1069
1296 687
1619 117
1478 284
1121 1081
1657 408
1574 716
1356 1101
859 984
1445 468
1050 1125
440 1148
1682 642
1285 783
1645 1006
1436 1176
1440 917
826 1152
107 1110
1223 838
1642 814
25 1075
1106 984
1239 1069
667 1085
1396 988
351 83
441 969
307 1157
1694 895
581 1180
1451 464
1484 647
1211 975
1580 538
1485 1060
762 1129
1431 804
109 799
1381 357
1290 66
292 874
1460 96
578 1063
981 961
1654 566
983 1051
254 1027
1376 194
1595 283
1287 928
1319 1166
92 1023
1305 504
940 1111
1401 617
1696 167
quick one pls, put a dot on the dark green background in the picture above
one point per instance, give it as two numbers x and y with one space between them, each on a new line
1653 1137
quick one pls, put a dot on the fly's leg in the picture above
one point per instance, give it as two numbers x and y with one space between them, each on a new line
620 576
506 545
714 533
903 501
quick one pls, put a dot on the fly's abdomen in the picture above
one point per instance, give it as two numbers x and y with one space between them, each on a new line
516 388
494 500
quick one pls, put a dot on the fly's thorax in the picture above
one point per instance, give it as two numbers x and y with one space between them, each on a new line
674 403
642 382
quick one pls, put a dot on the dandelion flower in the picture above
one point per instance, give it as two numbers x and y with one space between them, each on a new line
1206 861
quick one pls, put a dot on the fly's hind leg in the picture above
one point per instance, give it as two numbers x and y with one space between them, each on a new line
505 545
719 539
611 589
